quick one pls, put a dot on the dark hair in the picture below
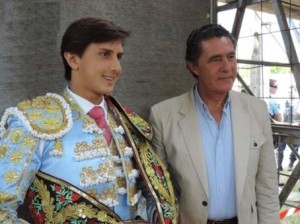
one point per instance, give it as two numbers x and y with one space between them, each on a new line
83 32
197 36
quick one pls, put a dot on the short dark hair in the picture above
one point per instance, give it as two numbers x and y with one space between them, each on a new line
197 36
83 32
273 83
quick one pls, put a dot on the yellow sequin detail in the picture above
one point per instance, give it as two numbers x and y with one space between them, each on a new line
3 149
15 135
52 123
16 156
35 115
11 177
28 141
5 197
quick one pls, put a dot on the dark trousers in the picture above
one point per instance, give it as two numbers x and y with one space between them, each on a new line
280 150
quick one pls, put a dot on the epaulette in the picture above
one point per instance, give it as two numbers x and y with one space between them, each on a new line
46 117
139 123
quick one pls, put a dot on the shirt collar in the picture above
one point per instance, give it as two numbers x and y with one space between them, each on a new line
86 105
201 104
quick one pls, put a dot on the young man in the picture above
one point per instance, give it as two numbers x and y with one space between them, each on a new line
81 157
217 142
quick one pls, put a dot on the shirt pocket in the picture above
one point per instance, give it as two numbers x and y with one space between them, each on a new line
256 142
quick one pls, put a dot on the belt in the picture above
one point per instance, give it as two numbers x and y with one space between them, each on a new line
223 221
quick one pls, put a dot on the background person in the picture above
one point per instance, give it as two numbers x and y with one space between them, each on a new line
273 104
217 142
276 114
292 116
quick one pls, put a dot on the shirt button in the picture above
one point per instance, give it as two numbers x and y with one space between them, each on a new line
204 203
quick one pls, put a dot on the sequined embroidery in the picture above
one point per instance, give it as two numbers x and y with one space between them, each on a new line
16 156
29 141
104 173
11 176
98 148
53 201
3 149
16 135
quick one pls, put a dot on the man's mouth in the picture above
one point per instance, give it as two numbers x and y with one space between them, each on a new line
109 78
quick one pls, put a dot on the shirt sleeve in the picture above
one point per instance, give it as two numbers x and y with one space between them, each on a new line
273 108
19 162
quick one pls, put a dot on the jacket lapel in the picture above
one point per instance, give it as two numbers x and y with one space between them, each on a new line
190 131
241 132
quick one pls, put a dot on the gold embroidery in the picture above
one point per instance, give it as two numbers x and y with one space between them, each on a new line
128 166
98 143
146 153
104 173
81 147
5 197
74 106
46 114
52 108
40 102
143 149
109 194
121 182
73 211
24 104
16 156
114 150
132 191
102 216
52 123
11 177
28 141
98 148
87 121
16 135
35 115
4 215
58 145
3 149
93 193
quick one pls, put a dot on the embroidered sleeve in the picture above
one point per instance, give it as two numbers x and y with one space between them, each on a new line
42 118
19 162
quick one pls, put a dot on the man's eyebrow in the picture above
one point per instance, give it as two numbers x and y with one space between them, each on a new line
104 49
214 57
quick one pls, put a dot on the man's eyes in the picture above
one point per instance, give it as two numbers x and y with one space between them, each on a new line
104 53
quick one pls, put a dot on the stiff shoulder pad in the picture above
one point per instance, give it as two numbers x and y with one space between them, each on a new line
139 123
143 126
46 117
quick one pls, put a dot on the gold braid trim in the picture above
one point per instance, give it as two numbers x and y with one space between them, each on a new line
168 194
158 185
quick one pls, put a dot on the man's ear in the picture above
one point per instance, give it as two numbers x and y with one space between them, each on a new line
73 60
192 67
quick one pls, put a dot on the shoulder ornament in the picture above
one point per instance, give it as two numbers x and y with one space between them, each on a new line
46 117
142 125
139 123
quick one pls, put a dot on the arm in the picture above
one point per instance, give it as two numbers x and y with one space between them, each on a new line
266 178
274 111
19 162
277 117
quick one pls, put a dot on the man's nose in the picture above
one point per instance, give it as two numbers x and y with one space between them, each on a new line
116 65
